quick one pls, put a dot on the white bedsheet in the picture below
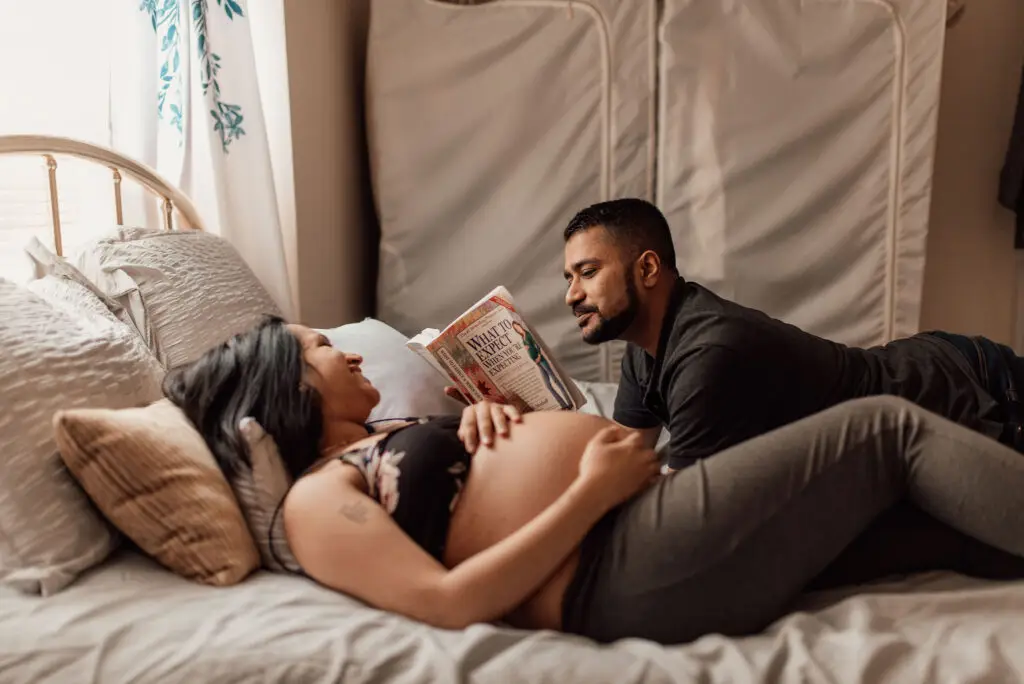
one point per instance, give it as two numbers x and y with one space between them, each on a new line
131 621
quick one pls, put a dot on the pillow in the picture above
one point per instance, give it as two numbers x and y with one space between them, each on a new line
186 291
67 288
153 476
601 402
600 397
408 386
50 359
260 492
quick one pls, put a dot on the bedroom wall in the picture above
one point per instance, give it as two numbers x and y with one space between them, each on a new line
970 276
333 244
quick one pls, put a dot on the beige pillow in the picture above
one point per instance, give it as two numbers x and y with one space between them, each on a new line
260 492
150 472
185 290
53 358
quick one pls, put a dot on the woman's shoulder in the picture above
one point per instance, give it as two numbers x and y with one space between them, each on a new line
315 494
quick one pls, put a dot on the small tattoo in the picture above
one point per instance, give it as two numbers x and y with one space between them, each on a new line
356 512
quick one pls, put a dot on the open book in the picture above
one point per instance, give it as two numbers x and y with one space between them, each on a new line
489 352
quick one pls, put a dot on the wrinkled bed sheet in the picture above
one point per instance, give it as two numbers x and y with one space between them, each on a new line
132 621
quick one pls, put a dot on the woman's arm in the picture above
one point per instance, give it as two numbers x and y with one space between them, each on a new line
346 541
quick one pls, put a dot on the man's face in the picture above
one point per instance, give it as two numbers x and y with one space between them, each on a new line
601 290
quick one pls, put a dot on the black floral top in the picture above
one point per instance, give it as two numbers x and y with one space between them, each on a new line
416 473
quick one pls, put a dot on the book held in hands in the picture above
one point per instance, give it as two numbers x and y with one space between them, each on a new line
489 352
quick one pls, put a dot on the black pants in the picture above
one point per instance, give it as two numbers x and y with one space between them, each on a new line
1001 373
726 545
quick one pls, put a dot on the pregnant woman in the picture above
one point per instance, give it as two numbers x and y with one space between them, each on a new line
565 523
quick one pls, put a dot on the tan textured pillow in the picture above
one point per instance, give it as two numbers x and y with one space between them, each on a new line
150 472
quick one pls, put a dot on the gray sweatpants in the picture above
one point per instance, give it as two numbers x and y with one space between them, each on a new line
727 544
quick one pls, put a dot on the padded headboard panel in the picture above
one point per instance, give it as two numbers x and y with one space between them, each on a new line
789 142
489 127
795 157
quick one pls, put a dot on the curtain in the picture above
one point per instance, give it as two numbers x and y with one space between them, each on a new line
185 99
171 83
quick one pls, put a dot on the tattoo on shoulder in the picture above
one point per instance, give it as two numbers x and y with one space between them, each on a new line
355 511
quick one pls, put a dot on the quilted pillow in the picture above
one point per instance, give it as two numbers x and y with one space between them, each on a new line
186 290
53 359
67 288
151 473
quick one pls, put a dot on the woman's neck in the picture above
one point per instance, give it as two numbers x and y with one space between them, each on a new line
340 434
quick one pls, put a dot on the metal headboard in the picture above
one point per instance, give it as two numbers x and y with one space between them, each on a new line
52 147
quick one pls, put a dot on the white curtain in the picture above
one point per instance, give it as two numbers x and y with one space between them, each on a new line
185 99
171 83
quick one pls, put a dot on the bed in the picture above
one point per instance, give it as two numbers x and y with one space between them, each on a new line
132 621
127 618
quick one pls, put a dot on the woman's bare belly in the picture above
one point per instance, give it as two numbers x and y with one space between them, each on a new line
509 484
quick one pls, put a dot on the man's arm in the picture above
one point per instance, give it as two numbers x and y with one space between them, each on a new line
649 435
629 411
713 403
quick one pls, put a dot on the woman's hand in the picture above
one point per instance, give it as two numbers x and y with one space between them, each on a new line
481 421
616 465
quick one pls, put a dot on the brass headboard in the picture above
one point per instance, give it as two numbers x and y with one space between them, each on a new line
52 147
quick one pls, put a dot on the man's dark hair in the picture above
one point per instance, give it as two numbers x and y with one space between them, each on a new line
635 224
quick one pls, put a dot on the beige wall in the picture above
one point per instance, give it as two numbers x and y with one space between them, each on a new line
969 277
334 244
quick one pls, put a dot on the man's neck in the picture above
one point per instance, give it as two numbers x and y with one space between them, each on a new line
651 320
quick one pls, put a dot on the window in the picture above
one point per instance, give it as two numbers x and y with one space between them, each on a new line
54 76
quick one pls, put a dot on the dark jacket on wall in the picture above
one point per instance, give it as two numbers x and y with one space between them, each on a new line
1011 181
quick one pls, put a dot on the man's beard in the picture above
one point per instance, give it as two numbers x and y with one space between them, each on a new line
611 328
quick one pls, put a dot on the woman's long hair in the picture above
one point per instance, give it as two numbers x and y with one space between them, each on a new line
257 374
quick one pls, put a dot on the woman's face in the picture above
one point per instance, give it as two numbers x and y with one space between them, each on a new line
345 394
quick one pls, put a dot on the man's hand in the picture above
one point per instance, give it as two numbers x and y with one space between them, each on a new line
481 421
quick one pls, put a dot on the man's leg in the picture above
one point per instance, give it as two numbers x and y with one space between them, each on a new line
905 540
727 544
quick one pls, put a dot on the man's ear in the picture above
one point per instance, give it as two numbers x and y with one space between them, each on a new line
650 268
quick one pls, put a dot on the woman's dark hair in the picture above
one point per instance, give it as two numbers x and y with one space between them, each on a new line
258 374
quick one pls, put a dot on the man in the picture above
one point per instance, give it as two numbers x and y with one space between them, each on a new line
716 373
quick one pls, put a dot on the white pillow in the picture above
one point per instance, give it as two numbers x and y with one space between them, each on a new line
186 291
52 359
67 288
409 387
601 402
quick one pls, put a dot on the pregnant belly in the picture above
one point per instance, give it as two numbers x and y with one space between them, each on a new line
509 484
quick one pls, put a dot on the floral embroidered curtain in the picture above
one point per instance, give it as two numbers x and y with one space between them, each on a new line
185 99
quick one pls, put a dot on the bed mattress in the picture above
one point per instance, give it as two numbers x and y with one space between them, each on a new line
796 144
131 621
